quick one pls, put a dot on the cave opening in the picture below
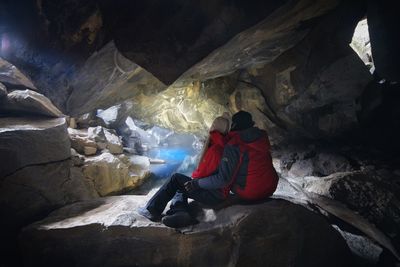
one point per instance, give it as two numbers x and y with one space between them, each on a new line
102 102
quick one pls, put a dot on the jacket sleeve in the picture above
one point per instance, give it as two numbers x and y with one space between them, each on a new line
226 169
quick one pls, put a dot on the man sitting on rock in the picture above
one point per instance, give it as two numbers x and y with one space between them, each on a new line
245 169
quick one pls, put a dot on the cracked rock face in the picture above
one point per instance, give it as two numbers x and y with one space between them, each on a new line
108 78
28 102
372 194
275 233
31 141
111 174
13 77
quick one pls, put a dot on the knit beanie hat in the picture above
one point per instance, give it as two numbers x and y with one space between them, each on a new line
241 121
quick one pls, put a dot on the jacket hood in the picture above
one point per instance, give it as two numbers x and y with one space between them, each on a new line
254 137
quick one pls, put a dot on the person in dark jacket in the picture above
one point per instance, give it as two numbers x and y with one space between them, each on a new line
245 169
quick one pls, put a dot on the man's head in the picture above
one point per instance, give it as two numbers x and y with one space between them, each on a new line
241 120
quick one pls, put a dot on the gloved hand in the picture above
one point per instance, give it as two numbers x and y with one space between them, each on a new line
191 185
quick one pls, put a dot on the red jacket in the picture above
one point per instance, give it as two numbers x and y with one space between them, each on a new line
256 177
212 156
246 167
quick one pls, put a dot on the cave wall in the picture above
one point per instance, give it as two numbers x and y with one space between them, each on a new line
293 56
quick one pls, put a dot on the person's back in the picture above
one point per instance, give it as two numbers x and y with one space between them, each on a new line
246 166
256 177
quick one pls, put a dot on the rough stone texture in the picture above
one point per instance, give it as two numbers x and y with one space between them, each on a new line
12 78
98 138
110 174
311 89
263 42
183 108
77 159
72 123
301 168
362 247
30 193
347 220
3 91
328 163
89 120
139 164
89 151
274 233
298 92
372 194
79 140
106 138
30 141
106 79
35 190
299 160
28 102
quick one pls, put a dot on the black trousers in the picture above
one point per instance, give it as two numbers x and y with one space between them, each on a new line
174 190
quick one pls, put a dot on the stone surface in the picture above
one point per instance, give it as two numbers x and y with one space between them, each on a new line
274 233
106 79
89 120
372 194
31 141
106 138
13 77
362 246
183 108
28 102
298 161
110 174
3 91
263 42
88 151
328 163
72 123
30 193
301 168
298 92
80 140
77 159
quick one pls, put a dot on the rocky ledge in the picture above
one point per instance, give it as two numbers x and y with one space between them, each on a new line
109 232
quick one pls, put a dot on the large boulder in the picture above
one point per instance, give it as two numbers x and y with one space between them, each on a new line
30 193
28 102
12 77
372 194
109 232
106 79
112 174
34 191
30 141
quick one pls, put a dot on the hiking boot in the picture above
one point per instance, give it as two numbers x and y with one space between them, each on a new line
149 215
178 220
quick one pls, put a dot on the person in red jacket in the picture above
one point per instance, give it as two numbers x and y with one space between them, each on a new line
213 149
245 169
209 161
